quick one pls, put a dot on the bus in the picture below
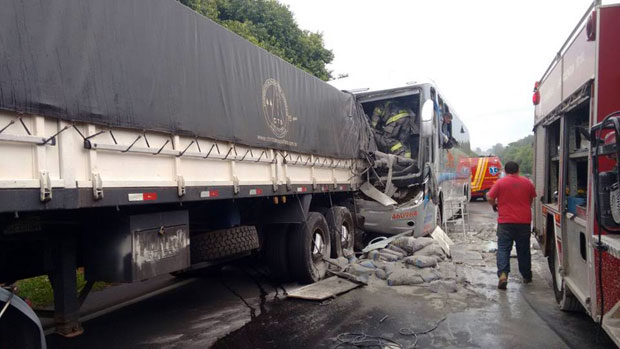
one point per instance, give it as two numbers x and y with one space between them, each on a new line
437 149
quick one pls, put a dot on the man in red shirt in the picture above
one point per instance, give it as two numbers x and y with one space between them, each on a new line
512 196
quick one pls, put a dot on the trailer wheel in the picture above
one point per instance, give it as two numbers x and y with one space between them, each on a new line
218 244
275 250
340 222
309 243
563 296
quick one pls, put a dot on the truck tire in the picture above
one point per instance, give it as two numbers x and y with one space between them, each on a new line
275 250
563 296
309 243
218 244
340 222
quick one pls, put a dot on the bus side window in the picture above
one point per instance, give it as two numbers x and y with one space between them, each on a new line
430 143
445 126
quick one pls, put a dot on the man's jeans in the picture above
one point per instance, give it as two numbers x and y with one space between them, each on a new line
520 234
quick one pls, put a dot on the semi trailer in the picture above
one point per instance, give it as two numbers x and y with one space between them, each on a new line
138 141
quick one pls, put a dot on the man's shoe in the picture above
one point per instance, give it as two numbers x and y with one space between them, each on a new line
527 281
503 281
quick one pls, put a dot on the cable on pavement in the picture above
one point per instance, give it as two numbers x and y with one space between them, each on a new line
410 332
362 340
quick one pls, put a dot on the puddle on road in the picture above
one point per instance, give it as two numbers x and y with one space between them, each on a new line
213 326
261 289
232 290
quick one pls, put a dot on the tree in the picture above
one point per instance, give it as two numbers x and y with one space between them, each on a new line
497 149
521 152
270 25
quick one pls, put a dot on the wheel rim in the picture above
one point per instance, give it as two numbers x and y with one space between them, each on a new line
318 245
345 236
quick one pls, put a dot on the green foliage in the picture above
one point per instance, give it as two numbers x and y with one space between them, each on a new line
270 25
497 149
39 289
521 152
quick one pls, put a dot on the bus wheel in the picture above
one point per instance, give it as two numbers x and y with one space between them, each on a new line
563 296
340 222
467 192
309 243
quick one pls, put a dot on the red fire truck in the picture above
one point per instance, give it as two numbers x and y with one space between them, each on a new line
485 171
577 128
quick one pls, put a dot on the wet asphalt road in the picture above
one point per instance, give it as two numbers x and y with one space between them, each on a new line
239 307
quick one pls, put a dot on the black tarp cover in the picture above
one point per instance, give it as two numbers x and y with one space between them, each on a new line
157 65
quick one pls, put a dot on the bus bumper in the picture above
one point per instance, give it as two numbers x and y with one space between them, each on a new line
392 220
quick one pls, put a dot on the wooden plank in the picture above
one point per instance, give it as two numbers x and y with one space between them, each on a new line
323 289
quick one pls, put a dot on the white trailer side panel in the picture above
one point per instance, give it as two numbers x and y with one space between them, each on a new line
86 156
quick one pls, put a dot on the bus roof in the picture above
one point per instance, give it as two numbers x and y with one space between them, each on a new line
366 85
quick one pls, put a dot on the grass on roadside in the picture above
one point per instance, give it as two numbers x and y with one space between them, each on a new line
38 290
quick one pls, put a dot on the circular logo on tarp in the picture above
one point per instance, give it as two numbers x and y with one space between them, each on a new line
275 108
493 171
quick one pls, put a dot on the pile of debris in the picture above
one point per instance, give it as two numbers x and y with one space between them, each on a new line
396 261
402 260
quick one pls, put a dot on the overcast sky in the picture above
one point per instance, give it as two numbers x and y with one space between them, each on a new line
484 55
